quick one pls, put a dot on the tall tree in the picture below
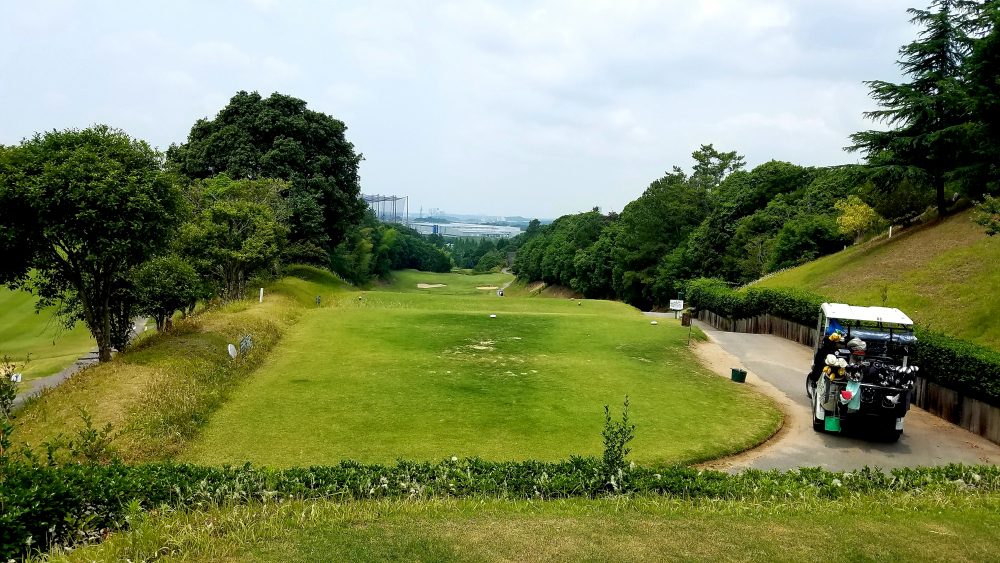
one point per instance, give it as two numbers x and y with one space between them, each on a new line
981 172
927 116
279 137
79 209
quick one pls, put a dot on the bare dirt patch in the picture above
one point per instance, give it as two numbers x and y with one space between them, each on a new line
487 287
910 250
430 285
560 292
536 286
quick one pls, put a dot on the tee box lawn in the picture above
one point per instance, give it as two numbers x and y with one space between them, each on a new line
412 373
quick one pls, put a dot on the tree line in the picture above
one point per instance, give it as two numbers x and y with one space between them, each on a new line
106 228
722 221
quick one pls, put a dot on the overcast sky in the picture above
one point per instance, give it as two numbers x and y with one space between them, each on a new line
509 108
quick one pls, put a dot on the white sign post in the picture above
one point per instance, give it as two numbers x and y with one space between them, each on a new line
262 295
676 305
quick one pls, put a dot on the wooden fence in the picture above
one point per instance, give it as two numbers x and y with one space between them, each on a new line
974 415
763 324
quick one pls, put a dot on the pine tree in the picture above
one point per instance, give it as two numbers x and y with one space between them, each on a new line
928 116
981 171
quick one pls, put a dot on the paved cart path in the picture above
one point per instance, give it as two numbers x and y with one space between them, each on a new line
777 367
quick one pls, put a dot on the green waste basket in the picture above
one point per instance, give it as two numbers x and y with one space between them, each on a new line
739 375
832 424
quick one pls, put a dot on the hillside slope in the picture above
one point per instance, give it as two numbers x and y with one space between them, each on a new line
945 275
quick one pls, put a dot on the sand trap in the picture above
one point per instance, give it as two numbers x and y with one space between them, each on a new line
487 287
429 285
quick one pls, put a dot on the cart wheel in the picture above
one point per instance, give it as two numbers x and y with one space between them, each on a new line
818 425
890 434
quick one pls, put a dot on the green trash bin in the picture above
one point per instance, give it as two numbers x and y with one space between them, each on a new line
832 424
739 375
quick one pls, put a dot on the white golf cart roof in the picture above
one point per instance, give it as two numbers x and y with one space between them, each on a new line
873 314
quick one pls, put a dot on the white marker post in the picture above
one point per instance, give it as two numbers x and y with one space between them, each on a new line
676 305
262 295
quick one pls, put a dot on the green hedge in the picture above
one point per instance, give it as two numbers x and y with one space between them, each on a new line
59 504
958 364
954 363
790 304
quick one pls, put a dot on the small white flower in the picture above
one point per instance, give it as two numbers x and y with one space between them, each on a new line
836 482
454 458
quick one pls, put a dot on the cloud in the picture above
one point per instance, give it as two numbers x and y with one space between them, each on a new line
543 101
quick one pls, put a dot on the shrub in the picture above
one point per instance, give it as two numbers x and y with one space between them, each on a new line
790 304
989 215
48 505
617 436
959 364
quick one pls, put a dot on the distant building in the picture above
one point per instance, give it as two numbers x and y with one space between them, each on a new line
465 230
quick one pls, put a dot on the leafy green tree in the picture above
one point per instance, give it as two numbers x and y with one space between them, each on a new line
79 209
712 167
927 117
651 227
829 186
740 195
492 260
804 238
164 285
230 240
278 137
352 258
857 218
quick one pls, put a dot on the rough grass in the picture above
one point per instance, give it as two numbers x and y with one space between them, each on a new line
945 527
160 392
24 332
409 373
944 275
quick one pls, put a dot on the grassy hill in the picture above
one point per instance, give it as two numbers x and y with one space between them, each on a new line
24 332
945 275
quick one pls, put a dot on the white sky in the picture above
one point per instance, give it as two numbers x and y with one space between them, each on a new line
534 108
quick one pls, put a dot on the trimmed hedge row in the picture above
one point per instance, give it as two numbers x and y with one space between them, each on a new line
966 367
41 506
790 304
961 365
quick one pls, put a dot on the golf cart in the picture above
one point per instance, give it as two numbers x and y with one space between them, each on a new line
860 377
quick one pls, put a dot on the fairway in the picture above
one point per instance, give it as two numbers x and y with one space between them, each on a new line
24 332
410 281
419 375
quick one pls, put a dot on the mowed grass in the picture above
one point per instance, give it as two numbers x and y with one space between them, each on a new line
24 332
945 275
948 527
423 375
